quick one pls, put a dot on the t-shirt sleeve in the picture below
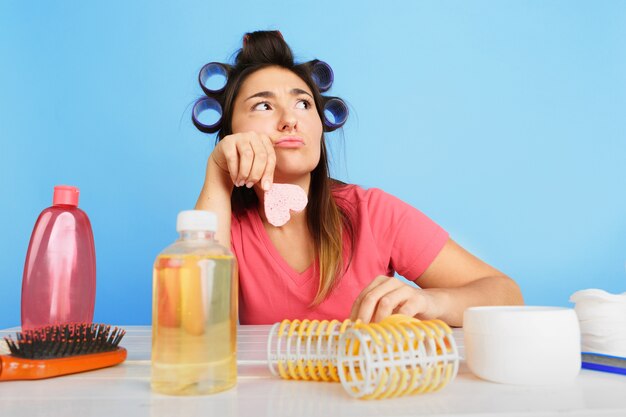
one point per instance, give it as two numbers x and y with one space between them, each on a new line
407 238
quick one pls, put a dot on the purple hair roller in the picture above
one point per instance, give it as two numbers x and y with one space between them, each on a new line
322 74
335 113
210 70
202 105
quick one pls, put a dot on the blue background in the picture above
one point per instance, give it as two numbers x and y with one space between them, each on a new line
503 121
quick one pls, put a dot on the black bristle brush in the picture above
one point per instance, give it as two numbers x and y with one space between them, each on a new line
60 350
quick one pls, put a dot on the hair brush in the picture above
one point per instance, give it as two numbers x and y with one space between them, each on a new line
60 350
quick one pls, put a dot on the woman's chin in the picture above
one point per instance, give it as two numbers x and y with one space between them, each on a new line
291 177
290 169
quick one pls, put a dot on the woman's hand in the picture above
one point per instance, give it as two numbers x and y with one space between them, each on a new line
238 159
387 295
248 158
454 281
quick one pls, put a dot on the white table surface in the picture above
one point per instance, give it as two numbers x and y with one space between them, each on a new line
124 390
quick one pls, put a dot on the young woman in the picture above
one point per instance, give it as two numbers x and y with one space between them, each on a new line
335 259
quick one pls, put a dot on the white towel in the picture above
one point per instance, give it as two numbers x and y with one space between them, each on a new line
602 318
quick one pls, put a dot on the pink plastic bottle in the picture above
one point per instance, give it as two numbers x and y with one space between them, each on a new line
59 282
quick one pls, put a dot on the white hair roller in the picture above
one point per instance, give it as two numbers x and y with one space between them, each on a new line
399 356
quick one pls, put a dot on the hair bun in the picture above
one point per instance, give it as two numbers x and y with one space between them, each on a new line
265 47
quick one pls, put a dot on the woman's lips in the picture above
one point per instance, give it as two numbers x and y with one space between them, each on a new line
289 143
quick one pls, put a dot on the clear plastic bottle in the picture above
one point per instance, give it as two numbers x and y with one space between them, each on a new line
194 311
59 281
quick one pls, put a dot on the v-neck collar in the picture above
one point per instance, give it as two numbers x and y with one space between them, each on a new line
298 278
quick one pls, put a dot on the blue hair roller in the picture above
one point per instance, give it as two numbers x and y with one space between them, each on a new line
322 75
339 112
209 70
202 105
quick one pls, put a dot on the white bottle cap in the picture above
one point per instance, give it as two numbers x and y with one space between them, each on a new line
196 220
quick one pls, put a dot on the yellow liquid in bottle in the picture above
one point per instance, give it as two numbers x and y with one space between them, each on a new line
193 325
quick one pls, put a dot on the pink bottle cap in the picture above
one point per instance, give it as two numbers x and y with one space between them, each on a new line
66 195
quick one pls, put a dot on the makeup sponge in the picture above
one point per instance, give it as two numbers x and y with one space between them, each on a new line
281 199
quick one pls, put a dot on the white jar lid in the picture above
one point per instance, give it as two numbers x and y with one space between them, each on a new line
517 320
196 220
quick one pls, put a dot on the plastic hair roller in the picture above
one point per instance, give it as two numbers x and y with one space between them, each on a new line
396 357
210 70
202 105
305 349
322 74
335 113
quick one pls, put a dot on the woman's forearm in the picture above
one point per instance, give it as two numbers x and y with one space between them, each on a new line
496 290
215 197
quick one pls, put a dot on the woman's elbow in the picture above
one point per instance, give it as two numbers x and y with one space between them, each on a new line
512 293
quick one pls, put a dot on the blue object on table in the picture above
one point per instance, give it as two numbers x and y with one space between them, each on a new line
604 363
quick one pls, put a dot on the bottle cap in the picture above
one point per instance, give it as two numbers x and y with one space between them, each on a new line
196 220
65 194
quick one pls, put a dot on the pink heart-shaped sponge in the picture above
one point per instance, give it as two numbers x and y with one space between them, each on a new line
280 199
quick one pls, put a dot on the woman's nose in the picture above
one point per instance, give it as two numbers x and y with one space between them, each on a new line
288 121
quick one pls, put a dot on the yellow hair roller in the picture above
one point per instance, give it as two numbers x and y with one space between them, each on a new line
399 356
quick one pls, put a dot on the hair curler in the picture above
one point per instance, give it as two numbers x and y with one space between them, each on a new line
337 109
210 70
306 349
399 356
396 357
322 74
202 105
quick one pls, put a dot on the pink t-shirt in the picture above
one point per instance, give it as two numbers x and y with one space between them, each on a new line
392 236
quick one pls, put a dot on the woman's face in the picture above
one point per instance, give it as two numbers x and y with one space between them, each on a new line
278 103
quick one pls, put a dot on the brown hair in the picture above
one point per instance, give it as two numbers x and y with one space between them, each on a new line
328 218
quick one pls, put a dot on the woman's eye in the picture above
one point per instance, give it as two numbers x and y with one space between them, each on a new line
264 105
303 104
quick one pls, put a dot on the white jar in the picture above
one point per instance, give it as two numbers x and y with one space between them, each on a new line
522 345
